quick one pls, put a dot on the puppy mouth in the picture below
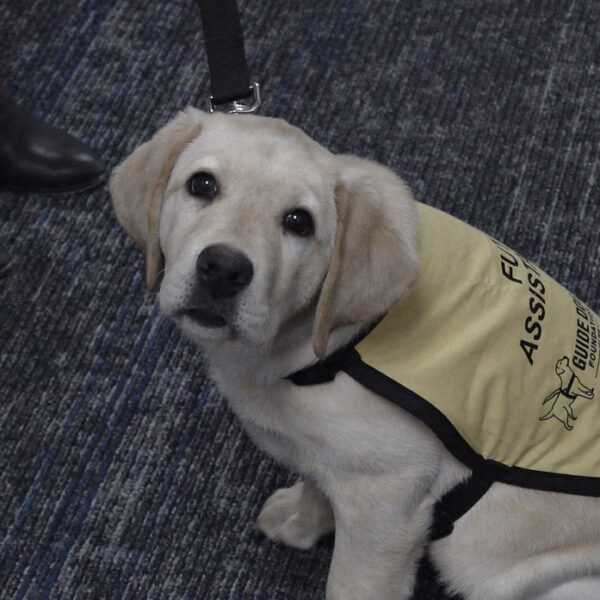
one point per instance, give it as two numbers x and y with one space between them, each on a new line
204 317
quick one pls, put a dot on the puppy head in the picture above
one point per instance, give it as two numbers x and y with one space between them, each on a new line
256 225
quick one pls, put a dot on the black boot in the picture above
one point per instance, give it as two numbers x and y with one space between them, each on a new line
6 262
36 157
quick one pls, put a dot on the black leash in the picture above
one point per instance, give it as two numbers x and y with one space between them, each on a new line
231 90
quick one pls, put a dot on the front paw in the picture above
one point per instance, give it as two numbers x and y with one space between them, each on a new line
297 516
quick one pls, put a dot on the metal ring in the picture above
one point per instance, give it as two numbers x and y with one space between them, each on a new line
251 104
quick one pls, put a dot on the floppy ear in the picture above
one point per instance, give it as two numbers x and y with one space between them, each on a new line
375 256
138 184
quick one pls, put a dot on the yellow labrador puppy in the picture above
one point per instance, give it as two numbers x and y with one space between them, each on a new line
272 255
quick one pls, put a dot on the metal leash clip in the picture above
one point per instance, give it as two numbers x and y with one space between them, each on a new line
247 105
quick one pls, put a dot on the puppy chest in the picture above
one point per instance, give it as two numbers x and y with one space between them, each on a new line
327 430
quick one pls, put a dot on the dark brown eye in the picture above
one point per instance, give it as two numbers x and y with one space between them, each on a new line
202 185
298 222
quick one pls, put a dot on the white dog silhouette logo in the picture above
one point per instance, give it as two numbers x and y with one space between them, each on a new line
563 397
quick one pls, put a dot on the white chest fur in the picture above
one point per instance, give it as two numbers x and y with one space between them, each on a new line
336 431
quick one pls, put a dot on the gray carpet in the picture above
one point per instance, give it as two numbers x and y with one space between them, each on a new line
123 475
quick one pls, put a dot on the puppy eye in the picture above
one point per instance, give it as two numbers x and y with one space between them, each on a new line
298 222
202 185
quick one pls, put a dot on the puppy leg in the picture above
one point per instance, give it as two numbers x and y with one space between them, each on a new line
380 534
297 516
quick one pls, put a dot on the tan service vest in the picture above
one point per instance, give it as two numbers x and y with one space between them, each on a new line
496 357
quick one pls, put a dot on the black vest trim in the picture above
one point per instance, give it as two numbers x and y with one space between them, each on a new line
457 502
325 370
456 444
485 472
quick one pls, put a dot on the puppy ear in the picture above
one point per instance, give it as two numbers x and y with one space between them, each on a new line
138 184
375 257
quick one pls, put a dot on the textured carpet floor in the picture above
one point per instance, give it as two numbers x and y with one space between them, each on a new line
123 475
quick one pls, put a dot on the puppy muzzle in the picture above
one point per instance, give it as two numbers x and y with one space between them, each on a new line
223 271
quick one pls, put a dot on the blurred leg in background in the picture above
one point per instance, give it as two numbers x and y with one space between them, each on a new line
36 157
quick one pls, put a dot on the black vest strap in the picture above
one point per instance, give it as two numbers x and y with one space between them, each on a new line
325 370
455 503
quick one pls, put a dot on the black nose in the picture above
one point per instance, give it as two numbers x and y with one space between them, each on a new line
223 270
